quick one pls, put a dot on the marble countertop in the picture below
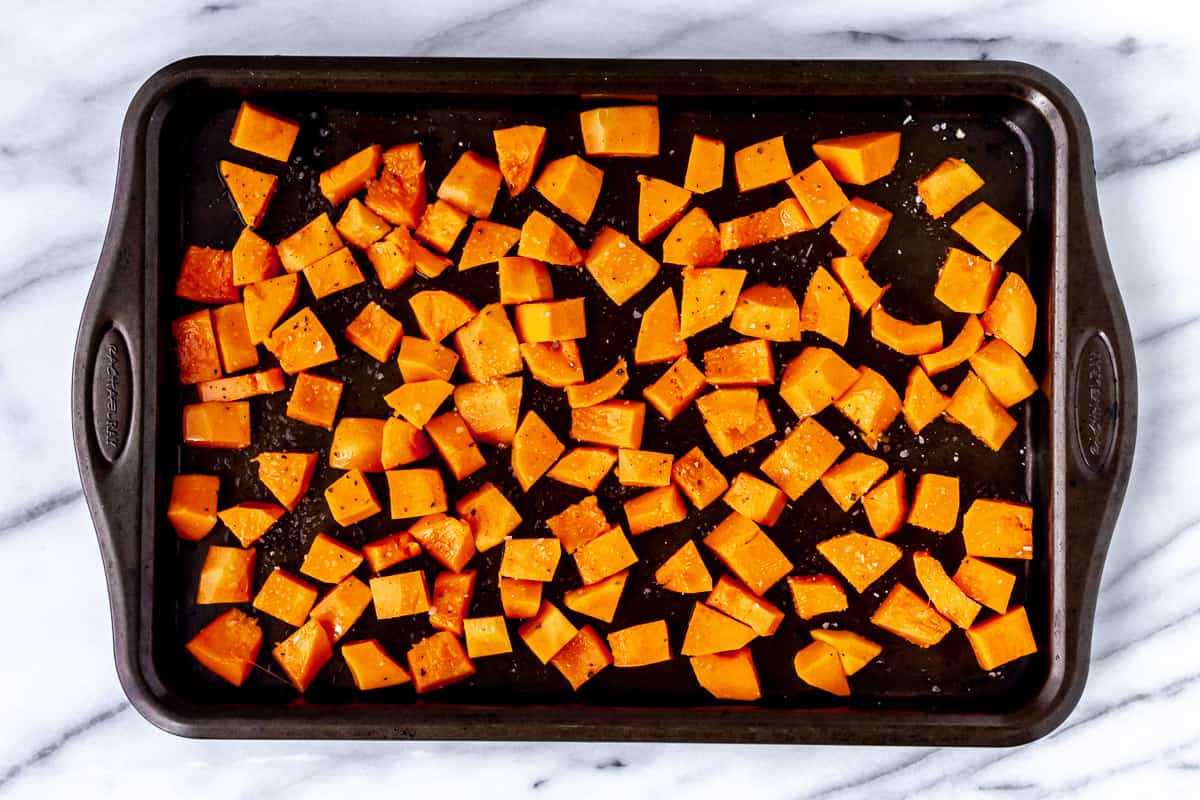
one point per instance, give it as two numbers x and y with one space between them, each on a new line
67 73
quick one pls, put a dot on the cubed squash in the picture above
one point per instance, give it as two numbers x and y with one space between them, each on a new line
1002 639
620 131
747 551
656 508
523 280
228 646
351 499
710 631
579 523
286 597
440 226
755 498
520 599
250 520
606 387
698 478
761 164
217 425
619 266
393 258
206 276
640 645
263 132
584 467
350 176
341 607
488 345
571 185
254 259
552 320
400 595
375 332
315 400
658 334
547 632
728 676
613 423
600 599
415 492
486 636
855 651
852 477
947 185
542 239
706 165
438 661
452 593
371 667
1003 371
286 475
303 654
535 448
192 510
249 189
966 283
225 576
825 309
739 364
871 404
767 312
643 467
731 598
330 561
814 595
605 555
233 338
862 290
391 550
935 503
582 658
490 514
973 407
361 227
780 221
472 185
423 360
402 443
906 615
301 343
985 583
998 529
487 243
447 540
732 431
860 559
266 301
553 364
818 193
675 389
861 158
518 150
989 231
814 379
820 666
660 205
357 444
906 338
694 241
684 572
923 403
860 227
709 296
1012 315
802 458
316 240
945 595
530 559
419 401
399 194
241 387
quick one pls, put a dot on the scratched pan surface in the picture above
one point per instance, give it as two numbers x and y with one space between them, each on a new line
1005 137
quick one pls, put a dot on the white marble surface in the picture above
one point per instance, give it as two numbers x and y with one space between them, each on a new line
67 72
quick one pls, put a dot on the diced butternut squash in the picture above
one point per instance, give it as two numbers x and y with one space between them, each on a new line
421 360
582 658
254 259
490 409
802 458
855 651
487 243
350 176
357 444
196 347
656 508
375 332
860 559
643 468
249 189
303 654
862 290
225 576
989 231
399 194
547 632
871 404
965 282
523 280
415 492
393 258
685 572
675 389
732 431
233 338
530 559
438 661
747 551
266 301
351 499
814 595
605 555
640 645
973 407
552 320
452 592
660 204
709 296
814 379
535 448
488 345
906 338
770 225
228 646
486 636
620 267
728 676
448 540
998 529
286 597
1002 639
1004 373
658 335
886 505
315 400
694 241
761 164
741 363
341 607
584 467
820 666
923 403
860 227
985 583
361 227
250 520
371 667
1012 315
620 131
965 344
850 479
818 193
441 225
263 132
553 364
301 343
472 185
731 598
710 631
950 601
935 503
825 309
217 425
518 150
391 550
755 498
286 475
598 599
862 158
579 523
905 614
607 386
698 478
316 240
706 165
452 439
206 276
571 185
947 185
613 423
542 239
490 514
330 561
767 312
520 599
419 401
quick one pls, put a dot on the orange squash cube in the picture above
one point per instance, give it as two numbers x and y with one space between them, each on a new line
419 401
438 661
400 595
490 409
393 258
350 176
660 204
357 444
619 266
241 387
802 458
694 241
579 523
315 400
488 345
552 320
709 631
965 282
316 240
530 559
1004 373
375 332
606 387
825 309
330 561
232 341
452 592
987 230
613 423
523 280
731 598
398 194
301 343
814 379
440 226
709 296
685 572
854 651
706 165
620 131
225 576
923 403
770 225
605 555
756 499
911 618
371 667
584 467
862 158
699 480
487 243
1012 315
361 227
761 164
415 492
886 505
998 529
351 499
852 478
862 290
249 189
422 360
818 193
639 645
814 595
286 475
217 425
860 227
192 510
581 658
945 595
728 676
391 550
973 407
748 552
654 509
518 150
675 389
644 468
228 646
935 503
286 597
658 335
249 521
742 363
553 364
266 301
860 559
734 430
985 583
535 448
520 599
767 312
196 347
871 404
254 259
486 636
472 185
263 132
547 632
947 185
906 338
571 185
303 654
341 607
206 276
447 540
543 240
1002 639
490 514
820 666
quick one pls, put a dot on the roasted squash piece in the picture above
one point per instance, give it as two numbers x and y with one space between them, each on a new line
266 301
584 467
706 165
552 320
1003 371
860 227
228 646
675 389
286 475
490 514
709 296
333 273
947 185
225 576
441 225
943 593
923 403
728 676
263 132
613 423
217 425
303 654
1002 639
747 551
402 443
814 379
802 458
755 498
249 189
973 407
733 432
820 666
778 222
731 598
249 520
371 667
862 158
317 239
998 529
452 593
1012 315
472 185
375 332
454 443
415 492
357 444
852 477
315 400
535 448
660 204
694 241
488 345
530 559
656 508
855 651
985 583
192 510
582 658
206 276
523 280
422 360
440 313
911 618
329 561
740 364
361 227
544 240
598 599
639 645
814 595
871 404
684 572
767 312
486 636
579 523
861 288
350 176
286 597
761 164
398 194
392 258
860 559
709 631
447 540
520 599
658 335
620 267
418 401
571 185
987 230
605 555
301 343
965 343
438 661
342 606
553 364
620 131
818 193
518 150
351 499
487 243
254 259
698 478
965 282
886 505
825 309
391 550
490 409
196 347
906 338
547 632
935 503
644 468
